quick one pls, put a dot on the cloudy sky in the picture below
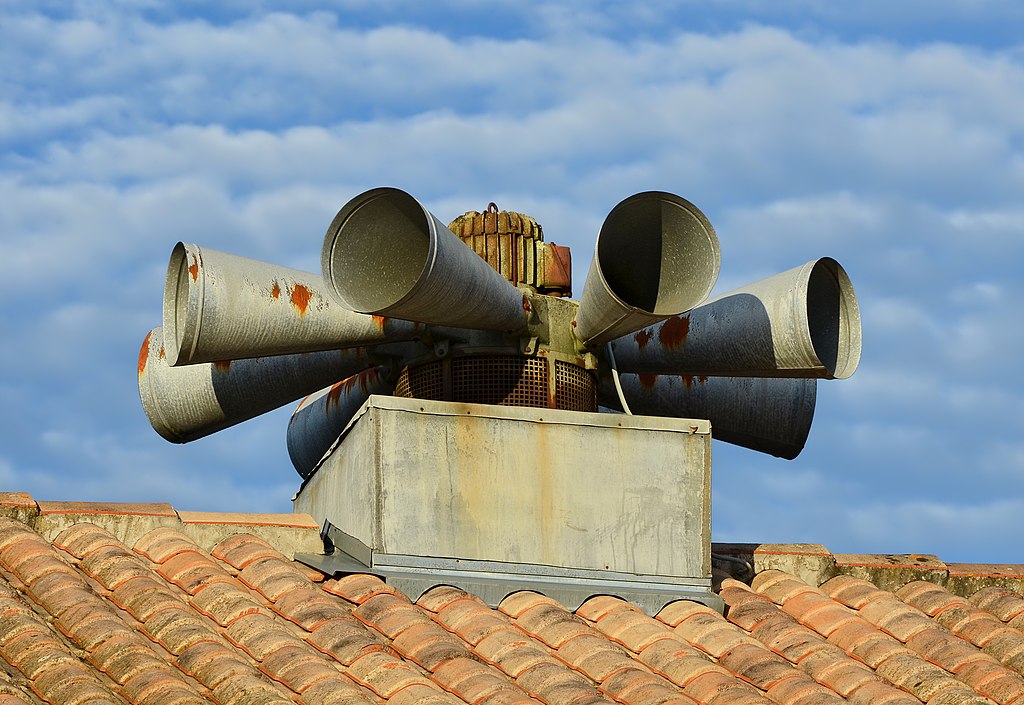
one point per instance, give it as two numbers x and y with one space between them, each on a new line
889 136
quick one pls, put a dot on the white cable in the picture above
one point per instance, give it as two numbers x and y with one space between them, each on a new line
615 378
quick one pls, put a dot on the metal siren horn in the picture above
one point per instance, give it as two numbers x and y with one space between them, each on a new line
656 256
769 415
803 322
192 401
321 417
219 306
386 254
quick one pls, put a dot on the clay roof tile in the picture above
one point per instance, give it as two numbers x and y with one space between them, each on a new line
84 618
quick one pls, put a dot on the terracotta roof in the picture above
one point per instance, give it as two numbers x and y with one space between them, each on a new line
142 604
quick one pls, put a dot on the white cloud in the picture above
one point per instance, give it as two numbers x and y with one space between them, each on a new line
247 132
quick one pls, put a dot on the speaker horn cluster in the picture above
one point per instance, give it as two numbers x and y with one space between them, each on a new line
478 311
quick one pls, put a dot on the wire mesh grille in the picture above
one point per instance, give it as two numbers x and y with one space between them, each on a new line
424 381
506 380
574 387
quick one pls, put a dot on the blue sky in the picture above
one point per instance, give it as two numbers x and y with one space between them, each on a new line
887 135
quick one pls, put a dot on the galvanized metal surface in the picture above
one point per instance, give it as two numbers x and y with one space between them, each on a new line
767 415
493 581
219 306
656 256
386 254
191 401
321 417
423 478
801 323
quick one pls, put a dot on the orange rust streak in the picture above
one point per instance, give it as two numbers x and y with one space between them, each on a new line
194 269
379 322
144 353
300 298
642 338
688 381
364 379
334 396
163 353
673 331
222 365
276 291
647 381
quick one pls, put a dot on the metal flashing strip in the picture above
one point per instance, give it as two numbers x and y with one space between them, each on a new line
493 581
540 415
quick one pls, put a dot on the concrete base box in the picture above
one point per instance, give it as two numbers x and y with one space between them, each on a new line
511 496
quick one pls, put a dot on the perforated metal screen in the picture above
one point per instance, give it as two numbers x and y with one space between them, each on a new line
506 380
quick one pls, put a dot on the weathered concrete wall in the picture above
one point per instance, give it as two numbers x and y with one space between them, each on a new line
521 485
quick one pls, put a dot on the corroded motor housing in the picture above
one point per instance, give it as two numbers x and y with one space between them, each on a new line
541 371
513 244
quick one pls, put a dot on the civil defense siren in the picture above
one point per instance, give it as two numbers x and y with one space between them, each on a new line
478 311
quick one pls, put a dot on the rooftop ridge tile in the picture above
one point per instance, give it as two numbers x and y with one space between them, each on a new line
436 598
294 521
344 639
142 509
389 614
474 621
593 656
551 624
310 607
549 681
1002 602
473 681
82 537
385 674
429 645
358 587
512 652
164 542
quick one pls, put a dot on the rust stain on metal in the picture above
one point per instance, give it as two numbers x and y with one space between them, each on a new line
163 352
334 396
647 380
688 381
673 331
276 291
365 377
642 337
379 322
300 298
222 365
194 267
144 353
346 386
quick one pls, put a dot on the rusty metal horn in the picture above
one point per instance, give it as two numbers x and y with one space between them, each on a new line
769 415
803 322
219 306
192 401
386 254
321 417
656 256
